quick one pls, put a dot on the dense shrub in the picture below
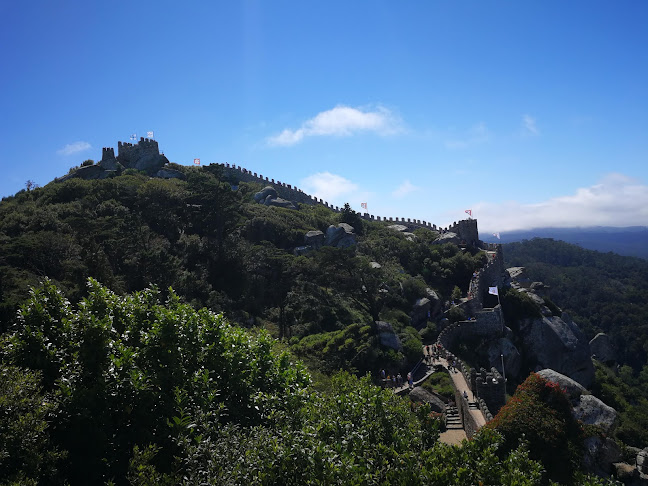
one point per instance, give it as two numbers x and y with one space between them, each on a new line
540 412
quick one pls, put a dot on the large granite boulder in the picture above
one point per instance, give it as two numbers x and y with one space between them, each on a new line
261 196
420 312
585 407
572 388
602 348
314 239
397 227
518 278
551 342
340 236
421 395
592 411
387 336
88 173
435 302
280 203
447 237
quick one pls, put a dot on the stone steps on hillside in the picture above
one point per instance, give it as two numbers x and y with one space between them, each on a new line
473 406
453 420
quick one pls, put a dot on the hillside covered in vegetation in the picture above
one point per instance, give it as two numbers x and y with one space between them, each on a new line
153 332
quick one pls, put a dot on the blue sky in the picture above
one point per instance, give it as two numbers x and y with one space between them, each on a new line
529 113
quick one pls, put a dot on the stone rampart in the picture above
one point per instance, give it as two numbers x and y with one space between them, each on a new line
465 229
470 425
490 275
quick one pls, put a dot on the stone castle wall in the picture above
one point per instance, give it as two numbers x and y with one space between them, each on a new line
466 229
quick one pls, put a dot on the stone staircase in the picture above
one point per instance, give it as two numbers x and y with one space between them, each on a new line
473 406
453 420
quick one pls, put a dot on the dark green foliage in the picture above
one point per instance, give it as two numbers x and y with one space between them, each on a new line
26 454
603 292
627 392
123 368
517 305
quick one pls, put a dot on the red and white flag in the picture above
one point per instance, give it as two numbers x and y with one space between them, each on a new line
363 205
469 212
197 161
496 235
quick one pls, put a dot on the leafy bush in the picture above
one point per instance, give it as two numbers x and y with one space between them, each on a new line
540 412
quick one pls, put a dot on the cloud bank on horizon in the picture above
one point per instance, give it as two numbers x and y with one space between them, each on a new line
341 121
617 200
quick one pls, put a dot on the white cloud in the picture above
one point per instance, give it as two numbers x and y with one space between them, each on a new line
340 121
404 189
327 186
617 200
476 135
529 124
73 148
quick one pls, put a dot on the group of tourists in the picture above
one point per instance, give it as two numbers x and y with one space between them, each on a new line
395 380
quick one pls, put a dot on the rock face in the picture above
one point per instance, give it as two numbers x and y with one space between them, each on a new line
553 343
602 348
261 196
269 197
88 173
593 411
388 337
573 389
447 237
340 236
419 314
314 239
600 453
419 394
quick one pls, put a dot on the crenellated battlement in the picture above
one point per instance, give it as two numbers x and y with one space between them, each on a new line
465 229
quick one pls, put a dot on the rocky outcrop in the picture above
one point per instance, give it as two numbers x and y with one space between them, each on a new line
263 194
314 239
601 453
447 237
550 342
602 348
572 388
421 395
340 236
268 196
435 302
592 411
420 312
387 336
518 277
89 173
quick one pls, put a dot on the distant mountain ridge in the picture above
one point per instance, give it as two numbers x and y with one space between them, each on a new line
627 241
